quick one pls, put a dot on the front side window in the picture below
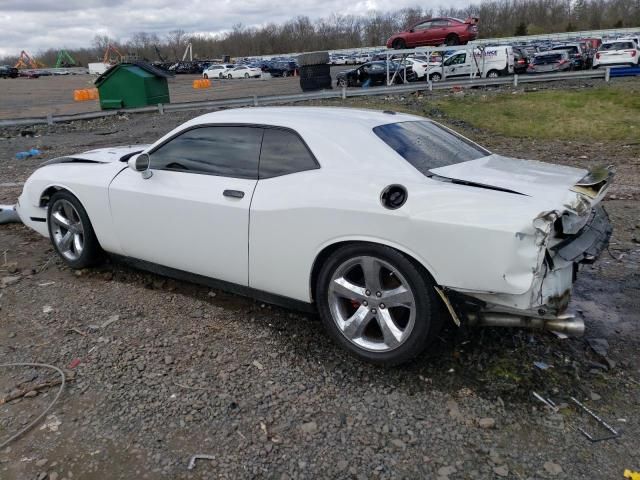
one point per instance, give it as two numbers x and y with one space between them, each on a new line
427 145
223 151
422 26
457 59
284 152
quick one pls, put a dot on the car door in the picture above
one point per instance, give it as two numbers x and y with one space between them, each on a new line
285 198
438 31
377 74
457 66
419 34
192 214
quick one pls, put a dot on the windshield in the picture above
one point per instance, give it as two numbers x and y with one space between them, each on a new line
617 46
427 145
551 58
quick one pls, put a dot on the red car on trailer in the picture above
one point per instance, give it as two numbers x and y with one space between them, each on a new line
436 31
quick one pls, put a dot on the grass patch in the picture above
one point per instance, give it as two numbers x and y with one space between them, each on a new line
607 113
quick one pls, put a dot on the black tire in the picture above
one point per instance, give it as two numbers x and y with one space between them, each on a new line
313 58
342 82
493 74
428 319
205 76
399 44
229 76
92 253
314 71
435 77
315 83
452 39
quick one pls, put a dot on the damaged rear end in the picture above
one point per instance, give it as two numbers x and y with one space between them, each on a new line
560 239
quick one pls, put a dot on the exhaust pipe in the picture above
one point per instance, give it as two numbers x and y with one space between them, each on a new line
566 324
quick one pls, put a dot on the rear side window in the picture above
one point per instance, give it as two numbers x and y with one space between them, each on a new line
222 151
427 145
284 152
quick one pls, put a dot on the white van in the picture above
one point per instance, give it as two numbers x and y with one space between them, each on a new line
485 62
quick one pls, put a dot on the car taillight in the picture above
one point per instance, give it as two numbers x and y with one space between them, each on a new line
633 53
598 55
521 61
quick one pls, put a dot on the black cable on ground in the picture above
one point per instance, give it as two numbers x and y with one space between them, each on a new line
32 424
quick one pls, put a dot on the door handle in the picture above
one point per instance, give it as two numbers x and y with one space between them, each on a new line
233 193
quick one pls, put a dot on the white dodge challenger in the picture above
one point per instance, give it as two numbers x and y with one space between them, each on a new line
385 223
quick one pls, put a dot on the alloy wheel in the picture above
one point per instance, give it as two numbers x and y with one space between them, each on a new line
67 229
372 304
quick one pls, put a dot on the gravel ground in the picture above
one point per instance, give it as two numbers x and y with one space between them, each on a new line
162 370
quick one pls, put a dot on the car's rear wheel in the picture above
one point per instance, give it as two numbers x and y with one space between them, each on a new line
71 232
377 304
205 76
452 39
399 44
246 75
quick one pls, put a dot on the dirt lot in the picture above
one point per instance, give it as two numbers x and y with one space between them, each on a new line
37 97
180 369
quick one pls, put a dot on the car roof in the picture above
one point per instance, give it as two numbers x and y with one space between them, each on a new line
325 119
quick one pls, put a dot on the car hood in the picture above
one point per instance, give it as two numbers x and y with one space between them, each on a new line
528 177
100 155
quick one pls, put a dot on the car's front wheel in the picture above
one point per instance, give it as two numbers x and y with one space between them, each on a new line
377 304
71 232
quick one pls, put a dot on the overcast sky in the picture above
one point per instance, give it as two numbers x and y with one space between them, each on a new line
35 25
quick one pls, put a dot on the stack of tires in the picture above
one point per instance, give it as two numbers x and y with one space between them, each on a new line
315 73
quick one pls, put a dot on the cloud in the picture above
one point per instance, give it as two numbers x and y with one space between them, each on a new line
37 25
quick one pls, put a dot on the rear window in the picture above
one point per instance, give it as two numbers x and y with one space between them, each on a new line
617 46
564 47
427 145
543 59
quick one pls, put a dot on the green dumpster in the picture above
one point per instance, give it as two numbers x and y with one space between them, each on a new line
128 85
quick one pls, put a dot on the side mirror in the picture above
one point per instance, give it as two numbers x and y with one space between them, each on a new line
411 31
141 163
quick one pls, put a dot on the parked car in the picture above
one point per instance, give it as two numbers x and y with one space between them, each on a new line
243 71
577 54
218 70
617 52
418 66
267 202
373 73
436 31
283 69
488 62
551 61
7 71
338 60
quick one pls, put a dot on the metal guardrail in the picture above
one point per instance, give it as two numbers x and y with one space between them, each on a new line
343 93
